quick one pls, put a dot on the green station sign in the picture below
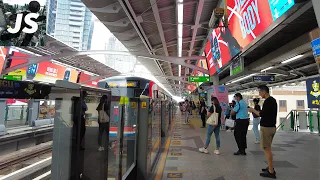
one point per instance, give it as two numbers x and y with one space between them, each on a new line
13 77
199 79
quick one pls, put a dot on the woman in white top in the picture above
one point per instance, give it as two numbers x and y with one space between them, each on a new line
103 119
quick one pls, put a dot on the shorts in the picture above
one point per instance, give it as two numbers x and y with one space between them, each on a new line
267 134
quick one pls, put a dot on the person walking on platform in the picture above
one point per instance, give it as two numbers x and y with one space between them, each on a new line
256 120
84 108
187 111
203 112
268 121
103 119
213 129
242 124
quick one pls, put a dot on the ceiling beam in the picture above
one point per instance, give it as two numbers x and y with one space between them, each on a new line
160 29
174 42
166 8
174 60
195 29
126 6
196 25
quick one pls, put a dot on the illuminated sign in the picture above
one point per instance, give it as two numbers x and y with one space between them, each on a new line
279 7
198 79
13 77
313 92
23 90
45 71
86 79
247 20
126 84
315 44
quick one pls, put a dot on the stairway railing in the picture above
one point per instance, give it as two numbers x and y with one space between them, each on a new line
301 120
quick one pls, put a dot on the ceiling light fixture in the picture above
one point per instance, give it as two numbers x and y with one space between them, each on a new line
291 59
180 31
243 78
266 69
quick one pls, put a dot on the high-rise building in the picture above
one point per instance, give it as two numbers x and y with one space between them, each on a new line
70 21
121 63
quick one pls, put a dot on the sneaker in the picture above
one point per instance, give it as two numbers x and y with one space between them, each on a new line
217 152
101 148
228 130
204 150
267 168
257 142
268 174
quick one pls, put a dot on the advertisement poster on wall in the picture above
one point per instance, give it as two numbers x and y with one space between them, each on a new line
221 92
85 79
3 54
313 92
44 72
247 20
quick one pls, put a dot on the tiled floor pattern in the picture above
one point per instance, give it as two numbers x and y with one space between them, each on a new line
296 156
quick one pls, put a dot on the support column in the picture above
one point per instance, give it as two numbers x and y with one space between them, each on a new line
33 111
316 7
214 79
2 111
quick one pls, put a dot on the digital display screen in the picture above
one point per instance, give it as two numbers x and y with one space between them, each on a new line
247 20
126 84
279 7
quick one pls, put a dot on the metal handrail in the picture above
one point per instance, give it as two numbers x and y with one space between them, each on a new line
286 118
294 110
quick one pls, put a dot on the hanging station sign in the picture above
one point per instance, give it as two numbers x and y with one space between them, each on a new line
264 78
199 79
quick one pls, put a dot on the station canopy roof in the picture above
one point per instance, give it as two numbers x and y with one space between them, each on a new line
150 26
82 62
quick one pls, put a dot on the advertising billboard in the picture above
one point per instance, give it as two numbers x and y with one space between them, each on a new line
23 23
220 48
85 79
313 92
45 71
3 54
247 20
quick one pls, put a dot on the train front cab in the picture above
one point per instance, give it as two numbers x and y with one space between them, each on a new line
140 119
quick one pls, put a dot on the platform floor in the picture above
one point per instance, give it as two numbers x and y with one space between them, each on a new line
296 156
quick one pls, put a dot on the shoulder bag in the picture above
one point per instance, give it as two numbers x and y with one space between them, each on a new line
213 119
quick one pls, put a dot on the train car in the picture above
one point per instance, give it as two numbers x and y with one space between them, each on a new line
134 88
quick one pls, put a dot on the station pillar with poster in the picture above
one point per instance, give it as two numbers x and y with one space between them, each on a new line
144 145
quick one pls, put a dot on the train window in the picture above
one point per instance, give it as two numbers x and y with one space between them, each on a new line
138 92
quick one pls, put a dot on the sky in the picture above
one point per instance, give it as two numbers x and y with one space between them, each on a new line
100 37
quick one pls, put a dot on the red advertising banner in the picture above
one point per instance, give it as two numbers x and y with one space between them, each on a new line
3 53
221 47
248 19
85 79
45 71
